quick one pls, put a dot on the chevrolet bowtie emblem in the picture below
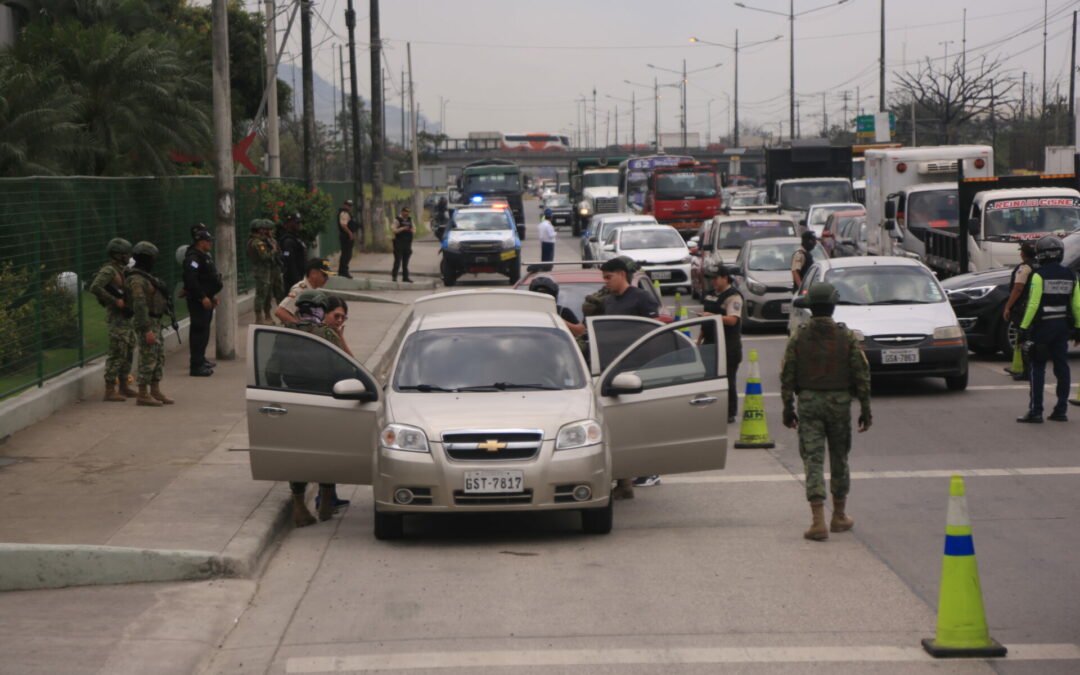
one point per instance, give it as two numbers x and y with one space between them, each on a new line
490 446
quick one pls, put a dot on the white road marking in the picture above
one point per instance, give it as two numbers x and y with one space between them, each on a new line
657 656
982 387
932 473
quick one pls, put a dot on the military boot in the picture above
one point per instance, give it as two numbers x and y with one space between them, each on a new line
326 502
125 388
156 393
145 398
840 521
818 531
111 394
301 517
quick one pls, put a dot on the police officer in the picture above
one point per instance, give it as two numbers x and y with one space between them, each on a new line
1017 301
728 303
202 283
547 237
1051 318
403 236
347 231
316 274
548 286
265 260
293 252
108 288
824 366
802 259
149 302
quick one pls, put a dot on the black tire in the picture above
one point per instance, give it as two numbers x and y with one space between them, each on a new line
576 229
957 382
598 521
515 270
449 277
389 526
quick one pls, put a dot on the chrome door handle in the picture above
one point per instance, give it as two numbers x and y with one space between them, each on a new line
272 411
703 400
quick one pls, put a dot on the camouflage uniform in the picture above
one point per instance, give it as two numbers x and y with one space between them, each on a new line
265 262
149 305
118 321
825 353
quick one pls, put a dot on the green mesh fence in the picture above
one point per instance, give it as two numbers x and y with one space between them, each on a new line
53 233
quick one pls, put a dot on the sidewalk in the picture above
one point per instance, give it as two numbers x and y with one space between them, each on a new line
113 493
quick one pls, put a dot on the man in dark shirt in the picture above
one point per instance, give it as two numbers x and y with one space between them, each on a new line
202 283
293 252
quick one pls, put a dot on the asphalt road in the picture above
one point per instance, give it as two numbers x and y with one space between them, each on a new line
707 572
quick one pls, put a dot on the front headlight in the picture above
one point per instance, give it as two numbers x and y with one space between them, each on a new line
584 210
579 435
975 292
453 245
756 287
402 437
685 260
948 332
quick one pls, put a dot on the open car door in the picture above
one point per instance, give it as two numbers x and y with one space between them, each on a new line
665 401
610 335
311 409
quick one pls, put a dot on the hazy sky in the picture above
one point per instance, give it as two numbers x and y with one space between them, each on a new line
516 66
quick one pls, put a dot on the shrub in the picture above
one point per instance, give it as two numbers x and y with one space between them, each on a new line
277 199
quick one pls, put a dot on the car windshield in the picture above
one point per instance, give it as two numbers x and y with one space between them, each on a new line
801 196
1028 218
937 208
489 358
600 179
735 233
776 257
480 220
686 185
556 202
747 199
492 182
819 215
634 238
884 285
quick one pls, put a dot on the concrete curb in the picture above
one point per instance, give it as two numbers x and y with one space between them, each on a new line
34 405
336 283
362 297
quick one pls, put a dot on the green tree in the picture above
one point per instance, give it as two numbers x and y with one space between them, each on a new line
37 134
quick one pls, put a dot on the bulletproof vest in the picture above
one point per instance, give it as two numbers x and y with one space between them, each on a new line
808 261
1058 283
1021 302
822 357
156 303
253 250
732 334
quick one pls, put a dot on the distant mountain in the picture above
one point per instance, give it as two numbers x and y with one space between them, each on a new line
327 93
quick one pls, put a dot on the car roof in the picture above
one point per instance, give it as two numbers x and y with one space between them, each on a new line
874 261
835 205
837 215
720 220
774 240
653 227
1021 193
623 216
573 276
481 209
502 307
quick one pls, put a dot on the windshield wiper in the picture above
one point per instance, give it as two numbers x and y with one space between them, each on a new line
901 302
847 302
504 386
424 388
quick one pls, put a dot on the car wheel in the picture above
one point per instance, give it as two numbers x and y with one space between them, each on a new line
957 382
515 271
598 521
576 230
1006 337
389 526
449 277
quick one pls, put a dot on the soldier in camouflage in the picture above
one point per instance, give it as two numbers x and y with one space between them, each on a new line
265 259
108 288
825 367
149 303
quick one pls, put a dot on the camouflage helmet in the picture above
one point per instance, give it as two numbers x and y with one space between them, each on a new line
118 246
822 293
261 224
145 248
313 298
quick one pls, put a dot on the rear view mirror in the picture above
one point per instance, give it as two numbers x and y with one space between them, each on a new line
609 247
625 383
890 210
890 224
353 390
974 227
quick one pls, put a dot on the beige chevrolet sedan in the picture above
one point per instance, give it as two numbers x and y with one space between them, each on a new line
491 406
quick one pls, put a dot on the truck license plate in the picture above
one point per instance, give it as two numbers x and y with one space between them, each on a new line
493 481
480 259
899 355
785 308
660 275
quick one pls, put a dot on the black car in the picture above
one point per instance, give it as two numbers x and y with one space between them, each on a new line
562 214
979 299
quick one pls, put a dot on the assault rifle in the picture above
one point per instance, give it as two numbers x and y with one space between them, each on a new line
118 293
170 306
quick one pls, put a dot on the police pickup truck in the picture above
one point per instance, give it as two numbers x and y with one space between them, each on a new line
481 239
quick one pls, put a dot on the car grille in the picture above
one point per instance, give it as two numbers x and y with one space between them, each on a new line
463 446
479 247
778 289
771 311
462 499
606 204
897 341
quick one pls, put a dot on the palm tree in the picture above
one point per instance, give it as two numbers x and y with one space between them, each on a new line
37 134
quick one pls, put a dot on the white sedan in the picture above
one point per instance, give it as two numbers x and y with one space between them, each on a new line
659 249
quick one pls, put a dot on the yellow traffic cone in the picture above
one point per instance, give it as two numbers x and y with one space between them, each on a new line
754 431
1017 366
961 625
1076 401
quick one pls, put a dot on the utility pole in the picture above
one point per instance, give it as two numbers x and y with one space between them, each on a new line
1023 94
378 228
684 103
881 64
417 202
1072 85
656 115
403 110
633 118
791 68
798 121
344 113
596 140
273 136
1042 113
845 94
963 48
735 134
616 124
358 159
309 95
824 118
224 197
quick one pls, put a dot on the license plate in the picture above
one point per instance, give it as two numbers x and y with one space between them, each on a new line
507 255
785 308
494 481
660 275
900 356
480 259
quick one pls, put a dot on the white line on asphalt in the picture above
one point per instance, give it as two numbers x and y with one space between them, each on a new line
657 656
933 473
981 387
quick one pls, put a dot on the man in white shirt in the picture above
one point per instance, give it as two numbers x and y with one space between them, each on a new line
547 241
318 271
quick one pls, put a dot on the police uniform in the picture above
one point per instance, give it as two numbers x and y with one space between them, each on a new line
293 259
729 303
346 225
118 322
201 280
824 366
1052 314
402 247
801 262
1021 274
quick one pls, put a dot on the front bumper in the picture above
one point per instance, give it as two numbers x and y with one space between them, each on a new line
933 361
549 478
562 219
482 261
981 319
772 308
669 276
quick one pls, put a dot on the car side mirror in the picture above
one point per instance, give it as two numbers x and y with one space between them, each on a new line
707 247
609 247
624 383
890 210
354 390
974 227
890 224
800 302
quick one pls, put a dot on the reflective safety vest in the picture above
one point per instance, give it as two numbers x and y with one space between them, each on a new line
1052 298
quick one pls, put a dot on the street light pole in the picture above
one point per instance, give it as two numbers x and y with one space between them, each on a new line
684 104
735 49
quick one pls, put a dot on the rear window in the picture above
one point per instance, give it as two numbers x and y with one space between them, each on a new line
735 233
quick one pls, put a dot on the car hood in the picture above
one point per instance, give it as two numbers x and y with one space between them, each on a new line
890 319
994 277
437 413
656 255
771 278
604 191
